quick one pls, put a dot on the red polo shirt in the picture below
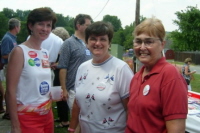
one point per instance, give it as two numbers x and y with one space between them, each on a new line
162 96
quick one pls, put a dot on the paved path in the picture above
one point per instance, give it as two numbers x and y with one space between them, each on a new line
4 125
196 67
192 68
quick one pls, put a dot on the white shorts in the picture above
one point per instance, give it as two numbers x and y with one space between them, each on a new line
70 100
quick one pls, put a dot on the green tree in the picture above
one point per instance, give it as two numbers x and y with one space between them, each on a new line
22 15
60 20
186 38
128 43
118 37
3 25
23 34
70 25
9 13
114 20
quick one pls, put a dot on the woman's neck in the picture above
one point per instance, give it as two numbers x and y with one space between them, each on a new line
34 44
97 60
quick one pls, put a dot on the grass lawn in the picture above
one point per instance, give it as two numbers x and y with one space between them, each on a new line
196 83
57 130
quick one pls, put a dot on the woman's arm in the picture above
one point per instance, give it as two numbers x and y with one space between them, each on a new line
62 77
125 102
74 120
14 69
187 71
175 126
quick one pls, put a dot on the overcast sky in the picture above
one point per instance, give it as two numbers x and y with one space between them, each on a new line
123 9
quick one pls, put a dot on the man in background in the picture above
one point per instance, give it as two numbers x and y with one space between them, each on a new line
8 42
73 53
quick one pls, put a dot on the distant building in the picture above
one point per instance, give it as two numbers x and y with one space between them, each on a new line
169 54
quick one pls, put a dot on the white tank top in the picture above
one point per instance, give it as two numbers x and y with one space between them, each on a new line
35 80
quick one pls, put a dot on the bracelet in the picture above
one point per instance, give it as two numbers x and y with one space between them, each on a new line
71 130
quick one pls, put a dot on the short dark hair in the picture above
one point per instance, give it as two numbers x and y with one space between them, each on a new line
80 19
12 23
41 14
99 28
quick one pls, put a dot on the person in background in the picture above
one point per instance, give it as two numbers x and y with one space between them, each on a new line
73 53
53 44
62 107
158 94
101 85
61 32
9 41
28 83
186 72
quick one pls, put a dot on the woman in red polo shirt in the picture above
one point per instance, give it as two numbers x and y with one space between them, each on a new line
158 94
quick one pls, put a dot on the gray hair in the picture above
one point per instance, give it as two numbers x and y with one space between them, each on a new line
61 32
12 23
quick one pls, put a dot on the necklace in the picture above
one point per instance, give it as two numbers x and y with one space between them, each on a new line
29 44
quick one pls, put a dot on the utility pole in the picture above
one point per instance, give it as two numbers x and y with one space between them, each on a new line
137 13
137 21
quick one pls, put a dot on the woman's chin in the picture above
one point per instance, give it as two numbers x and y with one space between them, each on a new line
97 53
143 60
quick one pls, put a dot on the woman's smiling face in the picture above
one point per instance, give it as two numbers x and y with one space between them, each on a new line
148 49
99 45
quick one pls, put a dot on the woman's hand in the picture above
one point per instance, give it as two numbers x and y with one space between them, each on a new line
193 72
65 95
53 65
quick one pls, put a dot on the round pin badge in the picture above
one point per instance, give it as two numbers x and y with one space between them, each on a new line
44 88
146 90
101 86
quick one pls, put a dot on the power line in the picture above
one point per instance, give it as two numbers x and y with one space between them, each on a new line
101 10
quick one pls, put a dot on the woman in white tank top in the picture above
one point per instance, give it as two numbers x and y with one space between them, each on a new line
29 78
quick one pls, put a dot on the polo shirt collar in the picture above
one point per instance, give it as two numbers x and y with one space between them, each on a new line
157 67
13 36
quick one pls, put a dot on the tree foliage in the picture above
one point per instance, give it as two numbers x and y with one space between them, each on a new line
122 36
3 24
114 20
6 14
187 37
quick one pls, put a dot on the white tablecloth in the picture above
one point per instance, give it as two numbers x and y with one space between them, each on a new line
193 117
193 124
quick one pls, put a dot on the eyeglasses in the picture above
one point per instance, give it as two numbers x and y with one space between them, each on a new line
148 42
